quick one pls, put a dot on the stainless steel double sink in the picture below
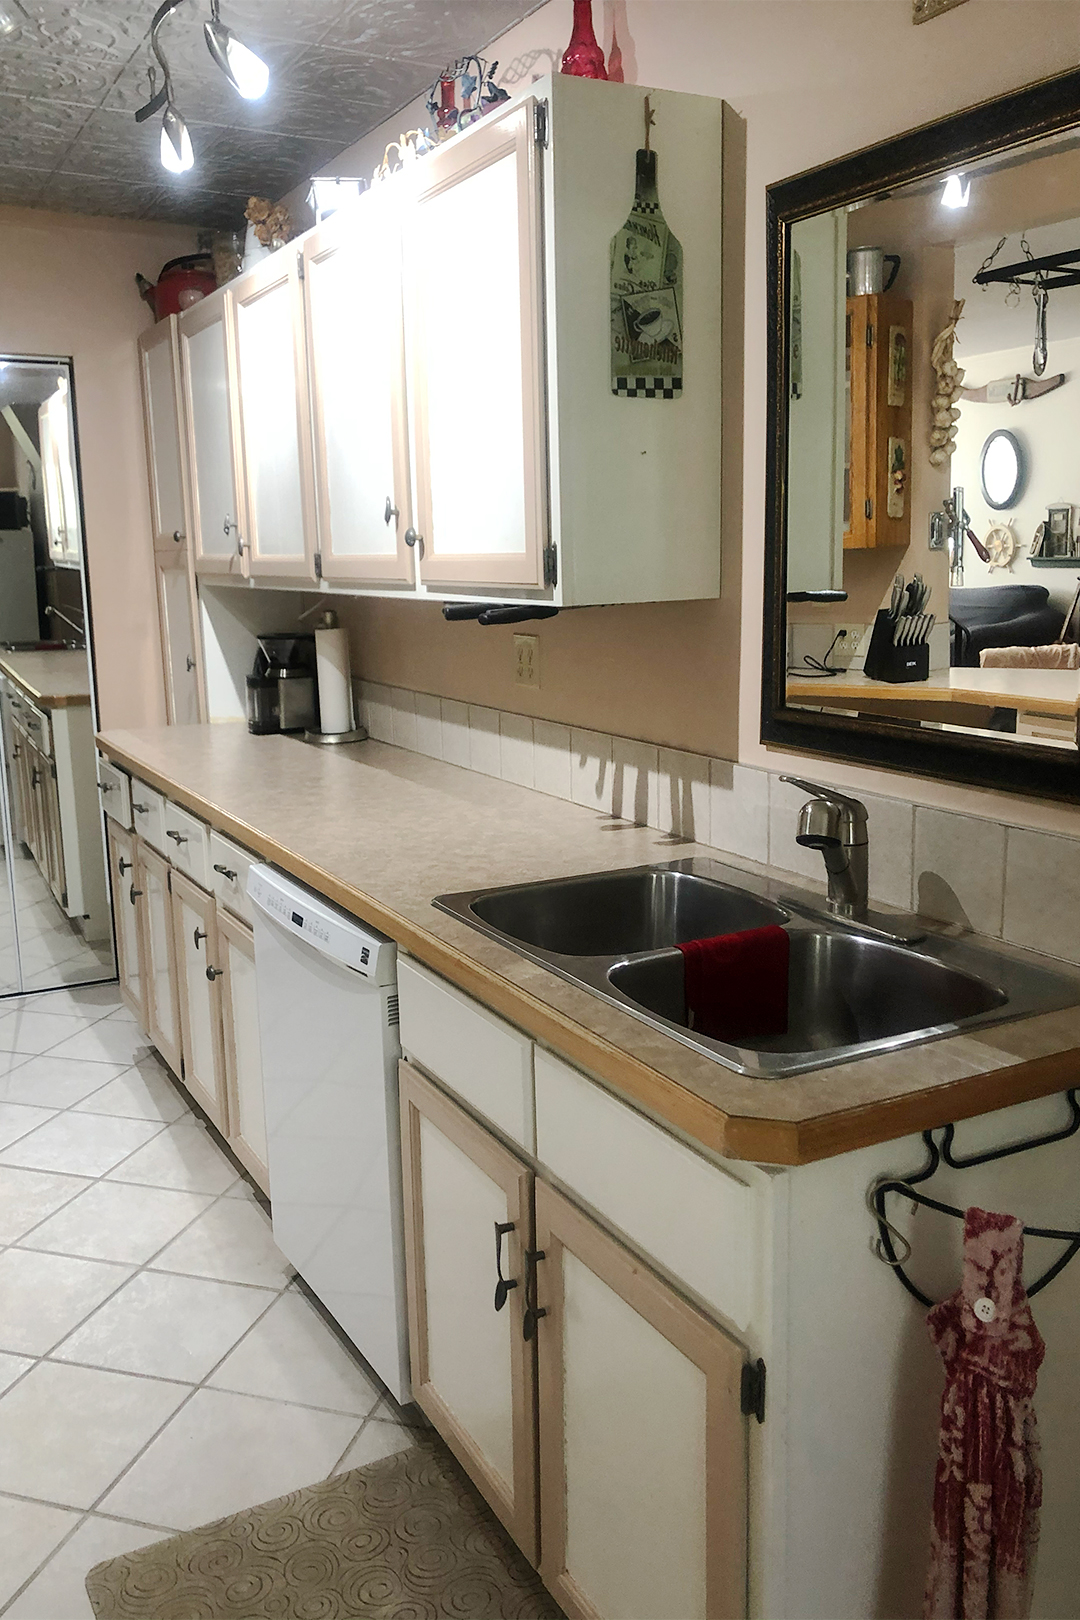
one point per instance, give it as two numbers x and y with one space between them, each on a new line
849 995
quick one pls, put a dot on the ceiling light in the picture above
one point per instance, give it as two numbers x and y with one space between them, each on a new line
248 72
956 193
176 152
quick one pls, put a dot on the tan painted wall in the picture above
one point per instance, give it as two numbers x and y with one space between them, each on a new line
67 288
813 79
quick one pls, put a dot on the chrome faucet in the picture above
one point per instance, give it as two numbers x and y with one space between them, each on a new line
836 825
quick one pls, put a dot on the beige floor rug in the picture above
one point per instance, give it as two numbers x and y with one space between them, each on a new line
407 1538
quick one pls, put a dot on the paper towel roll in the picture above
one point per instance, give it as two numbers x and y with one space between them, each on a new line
335 681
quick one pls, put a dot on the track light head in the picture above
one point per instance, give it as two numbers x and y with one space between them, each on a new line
244 70
176 152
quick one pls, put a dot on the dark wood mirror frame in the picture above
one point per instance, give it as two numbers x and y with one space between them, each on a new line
1047 108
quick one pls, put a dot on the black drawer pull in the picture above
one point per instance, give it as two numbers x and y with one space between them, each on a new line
214 973
504 1284
225 872
181 838
200 933
125 866
134 893
140 809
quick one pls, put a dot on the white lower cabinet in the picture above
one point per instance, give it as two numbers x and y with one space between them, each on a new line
162 1004
127 920
198 972
635 1432
243 1056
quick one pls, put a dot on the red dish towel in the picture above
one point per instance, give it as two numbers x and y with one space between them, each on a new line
988 1489
737 984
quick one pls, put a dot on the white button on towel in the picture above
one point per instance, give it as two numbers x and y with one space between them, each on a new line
985 1310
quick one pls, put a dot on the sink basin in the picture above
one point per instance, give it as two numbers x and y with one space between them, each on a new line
616 913
843 991
850 995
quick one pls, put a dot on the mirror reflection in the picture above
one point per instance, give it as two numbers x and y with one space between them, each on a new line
55 926
933 411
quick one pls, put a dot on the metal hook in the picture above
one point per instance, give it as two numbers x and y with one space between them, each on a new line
1039 357
650 120
877 1247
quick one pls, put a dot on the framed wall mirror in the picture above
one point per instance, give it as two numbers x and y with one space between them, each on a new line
924 405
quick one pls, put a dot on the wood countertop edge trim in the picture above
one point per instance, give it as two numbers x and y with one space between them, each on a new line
736 1136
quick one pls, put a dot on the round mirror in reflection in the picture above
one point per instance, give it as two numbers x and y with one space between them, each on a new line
1001 469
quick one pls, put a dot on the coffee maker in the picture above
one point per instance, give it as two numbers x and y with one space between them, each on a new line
281 686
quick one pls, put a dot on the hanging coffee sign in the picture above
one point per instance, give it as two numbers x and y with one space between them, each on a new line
646 293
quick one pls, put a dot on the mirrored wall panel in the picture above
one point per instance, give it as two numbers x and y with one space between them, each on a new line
55 926
928 504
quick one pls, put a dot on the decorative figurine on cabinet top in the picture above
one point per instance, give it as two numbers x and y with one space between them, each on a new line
646 293
583 57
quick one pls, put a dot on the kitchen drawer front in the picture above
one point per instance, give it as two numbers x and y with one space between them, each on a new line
115 789
187 843
35 722
487 1062
148 816
698 1222
229 864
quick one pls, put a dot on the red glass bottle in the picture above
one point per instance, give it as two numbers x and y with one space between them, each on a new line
446 114
583 57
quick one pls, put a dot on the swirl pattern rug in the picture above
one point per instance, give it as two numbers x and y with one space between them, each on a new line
406 1538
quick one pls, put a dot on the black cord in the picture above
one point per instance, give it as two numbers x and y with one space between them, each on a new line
820 666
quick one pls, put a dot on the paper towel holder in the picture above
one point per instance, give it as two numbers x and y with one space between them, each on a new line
329 621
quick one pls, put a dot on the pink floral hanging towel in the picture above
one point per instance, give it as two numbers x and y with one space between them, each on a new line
988 1488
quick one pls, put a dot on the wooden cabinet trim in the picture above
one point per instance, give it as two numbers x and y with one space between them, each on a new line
148 860
240 938
208 1090
212 311
560 1225
518 1507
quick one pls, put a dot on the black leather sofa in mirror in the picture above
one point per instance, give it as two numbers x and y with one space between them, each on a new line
896 584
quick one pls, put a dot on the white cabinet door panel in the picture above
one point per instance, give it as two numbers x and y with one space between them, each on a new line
159 355
243 1052
196 948
176 616
162 1010
352 279
204 353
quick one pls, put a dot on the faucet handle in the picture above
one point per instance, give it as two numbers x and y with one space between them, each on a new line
831 795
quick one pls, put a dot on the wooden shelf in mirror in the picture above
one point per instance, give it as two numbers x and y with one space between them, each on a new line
878 497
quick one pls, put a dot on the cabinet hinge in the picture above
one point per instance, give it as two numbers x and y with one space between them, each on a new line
64 899
540 123
168 880
868 508
752 1394
869 337
183 1076
300 266
551 565
318 565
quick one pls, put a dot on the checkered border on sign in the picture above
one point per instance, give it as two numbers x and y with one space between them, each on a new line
647 387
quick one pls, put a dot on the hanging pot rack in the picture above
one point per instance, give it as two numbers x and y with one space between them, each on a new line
1050 272
888 1235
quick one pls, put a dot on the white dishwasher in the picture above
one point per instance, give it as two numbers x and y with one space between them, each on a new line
328 1021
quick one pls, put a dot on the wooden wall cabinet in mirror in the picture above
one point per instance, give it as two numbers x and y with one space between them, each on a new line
877 508
879 518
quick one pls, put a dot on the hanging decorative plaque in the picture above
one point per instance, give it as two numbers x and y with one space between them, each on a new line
646 293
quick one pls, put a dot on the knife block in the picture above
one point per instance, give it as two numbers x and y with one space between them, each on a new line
886 662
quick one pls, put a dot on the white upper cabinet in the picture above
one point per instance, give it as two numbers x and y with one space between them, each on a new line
56 438
159 366
217 534
356 358
473 299
270 376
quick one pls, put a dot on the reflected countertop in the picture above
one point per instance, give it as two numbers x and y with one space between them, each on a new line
380 831
1050 691
59 679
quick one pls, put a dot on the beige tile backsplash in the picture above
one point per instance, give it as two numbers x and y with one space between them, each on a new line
1000 880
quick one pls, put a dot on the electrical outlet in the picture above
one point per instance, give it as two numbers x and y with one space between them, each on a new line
527 660
852 645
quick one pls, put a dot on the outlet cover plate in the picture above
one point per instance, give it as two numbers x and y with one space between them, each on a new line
527 661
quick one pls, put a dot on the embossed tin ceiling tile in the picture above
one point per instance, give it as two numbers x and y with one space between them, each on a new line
78 194
257 162
401 27
21 186
346 92
36 134
113 146
203 93
36 75
199 205
303 20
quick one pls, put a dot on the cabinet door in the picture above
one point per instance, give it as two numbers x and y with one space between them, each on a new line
243 1055
472 263
53 836
37 766
642 1440
270 372
198 973
162 1009
56 438
879 354
467 1202
159 366
210 434
356 355
177 610
127 920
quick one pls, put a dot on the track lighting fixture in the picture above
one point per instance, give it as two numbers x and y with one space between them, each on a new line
245 71
956 193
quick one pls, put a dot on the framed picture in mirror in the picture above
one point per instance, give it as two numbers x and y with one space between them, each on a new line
918 414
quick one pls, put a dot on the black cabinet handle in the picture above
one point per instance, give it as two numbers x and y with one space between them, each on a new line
125 866
533 1312
214 973
134 893
104 787
181 838
504 1284
225 872
200 934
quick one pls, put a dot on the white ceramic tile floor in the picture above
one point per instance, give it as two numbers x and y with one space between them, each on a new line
159 1365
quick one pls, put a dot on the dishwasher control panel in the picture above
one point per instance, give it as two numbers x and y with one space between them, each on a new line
333 933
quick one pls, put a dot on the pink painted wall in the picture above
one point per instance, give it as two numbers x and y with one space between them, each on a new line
67 287
812 79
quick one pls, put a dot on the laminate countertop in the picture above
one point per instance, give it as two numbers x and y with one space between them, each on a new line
380 831
56 680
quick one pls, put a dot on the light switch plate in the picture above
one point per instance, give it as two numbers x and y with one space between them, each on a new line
923 10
